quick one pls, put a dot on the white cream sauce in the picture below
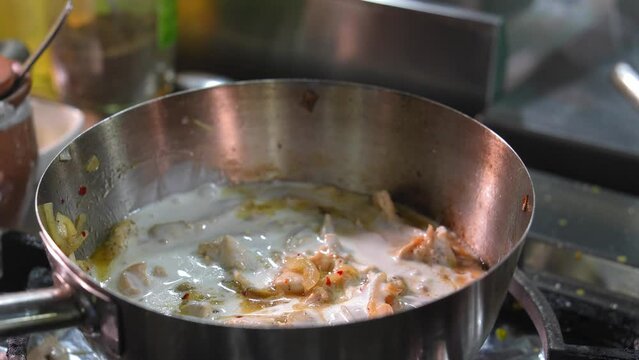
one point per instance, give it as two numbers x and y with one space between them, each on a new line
269 222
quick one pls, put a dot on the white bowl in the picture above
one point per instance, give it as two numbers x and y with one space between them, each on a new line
56 124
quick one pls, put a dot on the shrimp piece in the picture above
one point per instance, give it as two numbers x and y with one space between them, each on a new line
393 289
323 260
298 276
431 247
341 274
289 282
377 305
419 247
326 257
383 294
319 295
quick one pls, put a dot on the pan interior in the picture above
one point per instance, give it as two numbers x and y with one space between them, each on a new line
363 139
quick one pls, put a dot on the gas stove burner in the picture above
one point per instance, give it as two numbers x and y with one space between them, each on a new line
545 318
24 266
536 319
22 253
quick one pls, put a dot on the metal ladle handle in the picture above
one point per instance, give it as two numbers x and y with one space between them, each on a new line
26 67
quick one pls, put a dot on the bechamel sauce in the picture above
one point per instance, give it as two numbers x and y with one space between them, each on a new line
261 220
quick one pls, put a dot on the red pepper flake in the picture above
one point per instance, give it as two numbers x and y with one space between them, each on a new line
328 281
340 272
83 233
185 296
82 191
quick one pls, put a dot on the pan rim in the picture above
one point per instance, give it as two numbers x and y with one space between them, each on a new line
93 286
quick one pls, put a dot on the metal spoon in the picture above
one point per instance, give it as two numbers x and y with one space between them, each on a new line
26 67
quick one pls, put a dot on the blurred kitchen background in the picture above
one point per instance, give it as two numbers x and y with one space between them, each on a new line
539 72
467 53
535 70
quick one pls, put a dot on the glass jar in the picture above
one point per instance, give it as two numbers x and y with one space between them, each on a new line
112 54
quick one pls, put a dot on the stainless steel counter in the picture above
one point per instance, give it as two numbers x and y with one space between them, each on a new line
442 52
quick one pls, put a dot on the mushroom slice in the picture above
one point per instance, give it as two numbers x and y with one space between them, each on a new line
201 309
159 271
170 231
289 282
393 288
228 253
133 280
254 285
184 287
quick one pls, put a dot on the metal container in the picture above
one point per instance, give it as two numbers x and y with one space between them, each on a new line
361 138
18 149
447 53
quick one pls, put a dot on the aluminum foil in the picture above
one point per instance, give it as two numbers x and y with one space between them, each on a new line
66 344
509 342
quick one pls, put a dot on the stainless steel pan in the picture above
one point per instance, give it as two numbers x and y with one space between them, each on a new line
362 138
